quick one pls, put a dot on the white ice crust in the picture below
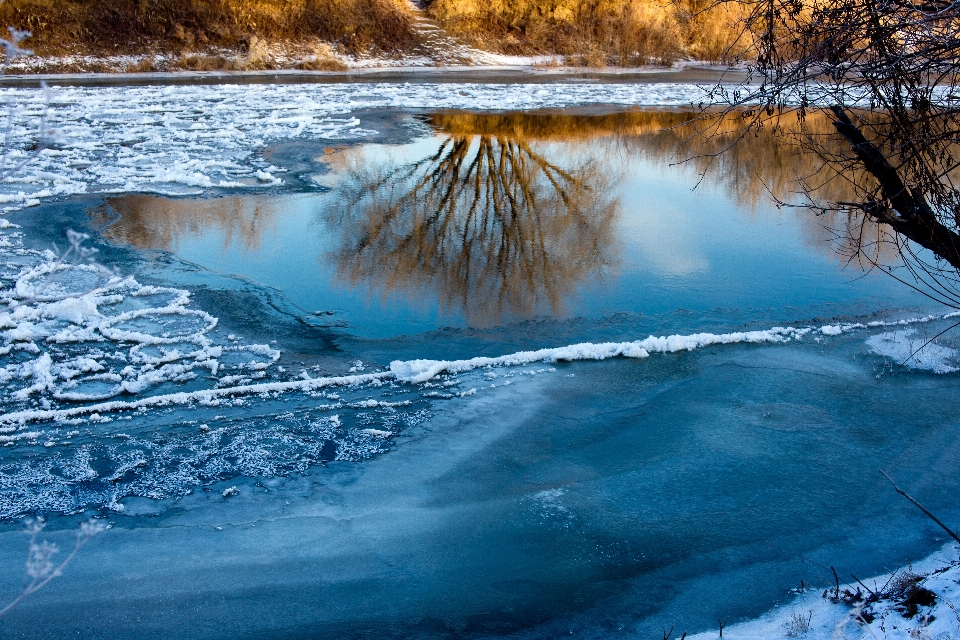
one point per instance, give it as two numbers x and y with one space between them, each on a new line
417 371
914 352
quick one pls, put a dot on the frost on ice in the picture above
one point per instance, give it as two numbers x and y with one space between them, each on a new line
78 343
915 351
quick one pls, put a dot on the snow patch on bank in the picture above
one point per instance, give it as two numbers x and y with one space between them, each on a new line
815 615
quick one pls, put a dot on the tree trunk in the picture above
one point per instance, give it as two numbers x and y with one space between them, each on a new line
911 215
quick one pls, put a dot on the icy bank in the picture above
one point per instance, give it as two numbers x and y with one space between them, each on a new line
815 615
914 352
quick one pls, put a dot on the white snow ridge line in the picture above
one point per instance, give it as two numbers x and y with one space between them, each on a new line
418 371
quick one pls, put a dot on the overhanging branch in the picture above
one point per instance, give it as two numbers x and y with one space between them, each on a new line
907 212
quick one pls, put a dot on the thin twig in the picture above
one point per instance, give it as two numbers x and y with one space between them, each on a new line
863 585
920 506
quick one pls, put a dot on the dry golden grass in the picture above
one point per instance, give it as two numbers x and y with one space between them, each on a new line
121 26
595 32
321 58
587 32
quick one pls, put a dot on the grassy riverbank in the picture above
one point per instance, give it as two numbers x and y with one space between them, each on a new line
595 33
245 34
127 27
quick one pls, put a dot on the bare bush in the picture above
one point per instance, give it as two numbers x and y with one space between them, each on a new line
798 624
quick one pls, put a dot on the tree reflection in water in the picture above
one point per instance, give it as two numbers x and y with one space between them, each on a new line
488 223
514 212
494 227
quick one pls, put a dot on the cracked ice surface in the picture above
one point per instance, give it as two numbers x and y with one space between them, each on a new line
185 139
75 334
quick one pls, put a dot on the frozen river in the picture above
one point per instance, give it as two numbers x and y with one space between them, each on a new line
352 361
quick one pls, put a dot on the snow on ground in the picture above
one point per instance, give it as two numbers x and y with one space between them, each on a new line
285 60
915 602
186 139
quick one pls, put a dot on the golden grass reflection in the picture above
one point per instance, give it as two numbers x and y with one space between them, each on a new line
157 222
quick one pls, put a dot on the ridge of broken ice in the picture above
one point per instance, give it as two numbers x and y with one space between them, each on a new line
418 371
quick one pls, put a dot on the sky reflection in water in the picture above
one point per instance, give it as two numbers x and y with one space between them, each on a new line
497 218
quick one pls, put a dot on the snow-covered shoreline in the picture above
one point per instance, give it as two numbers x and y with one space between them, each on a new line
816 614
125 66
